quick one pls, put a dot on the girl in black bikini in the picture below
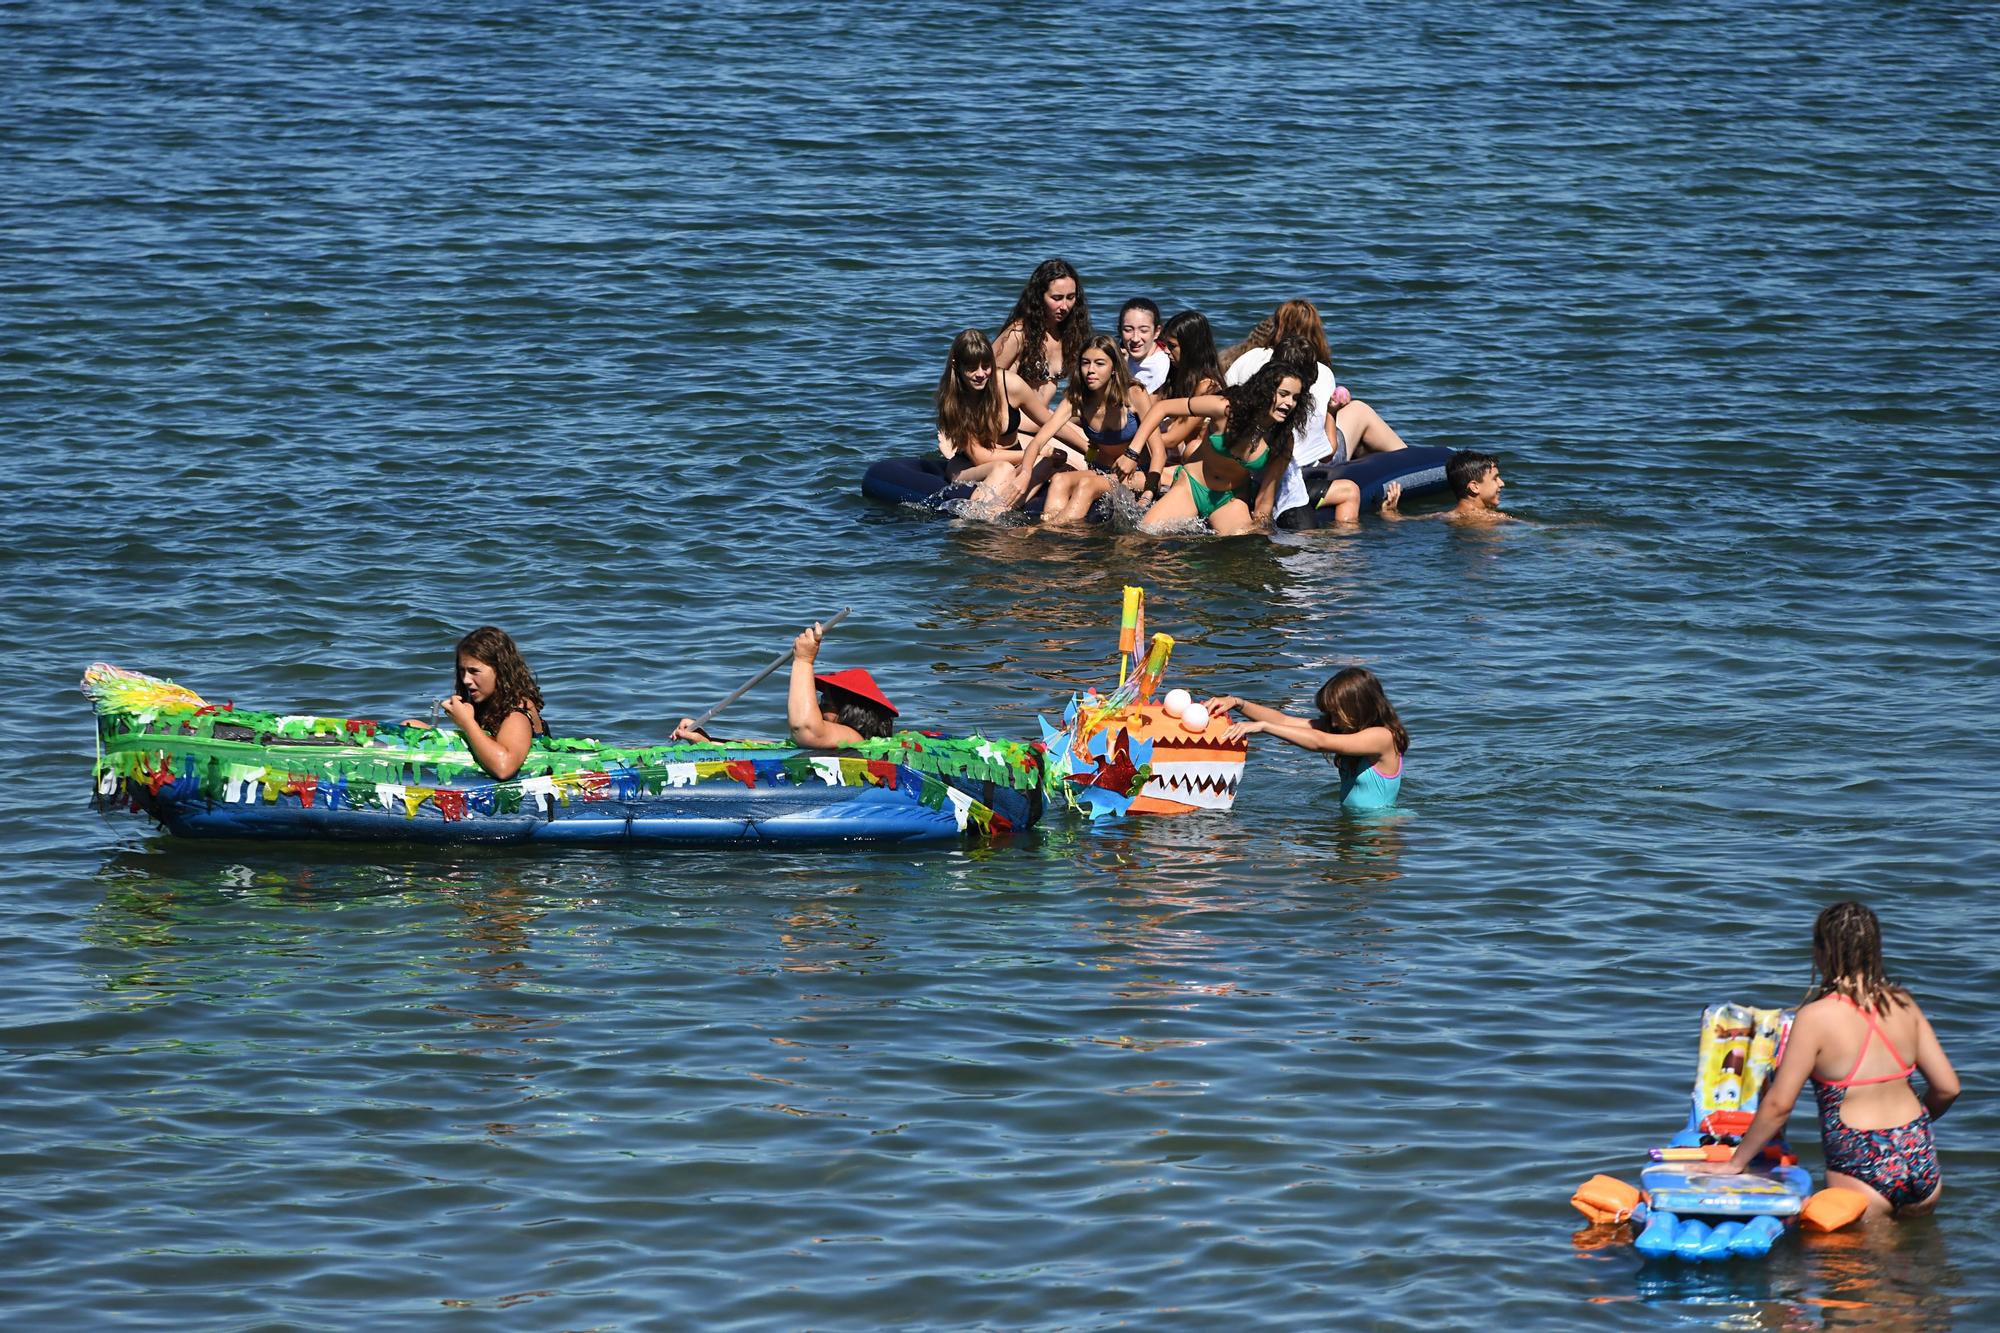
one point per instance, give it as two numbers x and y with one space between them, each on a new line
1045 332
1233 478
980 408
1098 416
495 701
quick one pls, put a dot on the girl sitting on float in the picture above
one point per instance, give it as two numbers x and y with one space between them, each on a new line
1192 371
1045 332
1339 428
1098 416
1357 730
494 700
1232 478
980 408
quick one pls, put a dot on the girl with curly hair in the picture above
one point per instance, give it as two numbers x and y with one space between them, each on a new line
980 410
1232 479
495 701
1045 332
1339 427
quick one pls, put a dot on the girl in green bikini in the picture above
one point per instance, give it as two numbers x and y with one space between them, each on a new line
1231 480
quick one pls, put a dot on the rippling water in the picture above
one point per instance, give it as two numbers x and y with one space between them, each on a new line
328 334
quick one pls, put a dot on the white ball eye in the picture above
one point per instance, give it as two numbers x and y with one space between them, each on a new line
1195 718
1177 701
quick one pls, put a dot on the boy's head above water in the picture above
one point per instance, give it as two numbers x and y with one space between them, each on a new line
1475 476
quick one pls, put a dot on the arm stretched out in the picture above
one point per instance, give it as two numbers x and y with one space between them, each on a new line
1370 742
1147 441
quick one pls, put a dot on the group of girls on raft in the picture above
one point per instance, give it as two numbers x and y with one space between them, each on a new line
1193 433
1875 1130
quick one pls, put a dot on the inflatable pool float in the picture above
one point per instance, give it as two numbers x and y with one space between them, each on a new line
208 771
1419 469
1682 1210
1122 753
922 482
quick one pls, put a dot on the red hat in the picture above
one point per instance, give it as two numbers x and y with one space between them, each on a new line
858 683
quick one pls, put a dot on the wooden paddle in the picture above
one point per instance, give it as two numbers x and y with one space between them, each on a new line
761 676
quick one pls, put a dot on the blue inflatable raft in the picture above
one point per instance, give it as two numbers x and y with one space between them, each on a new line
204 771
922 482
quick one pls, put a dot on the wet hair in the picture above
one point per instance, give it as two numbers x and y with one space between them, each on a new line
1032 316
1196 365
871 719
514 688
1352 700
1300 319
963 415
1465 467
1250 405
1117 389
1139 303
1847 959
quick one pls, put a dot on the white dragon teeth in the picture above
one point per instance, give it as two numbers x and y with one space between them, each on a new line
1209 786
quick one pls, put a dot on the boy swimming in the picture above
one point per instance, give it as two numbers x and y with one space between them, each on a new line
1475 480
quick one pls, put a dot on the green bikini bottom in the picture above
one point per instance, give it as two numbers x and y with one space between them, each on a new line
1206 501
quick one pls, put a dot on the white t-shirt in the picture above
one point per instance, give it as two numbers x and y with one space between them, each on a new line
1313 445
1152 372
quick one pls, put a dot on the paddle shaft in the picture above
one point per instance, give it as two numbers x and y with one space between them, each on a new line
763 675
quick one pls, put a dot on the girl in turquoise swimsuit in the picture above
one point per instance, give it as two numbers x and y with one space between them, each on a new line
1232 478
1357 729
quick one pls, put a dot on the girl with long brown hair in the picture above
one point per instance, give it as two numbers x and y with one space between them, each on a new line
1097 417
1357 729
980 410
1045 332
1232 478
494 700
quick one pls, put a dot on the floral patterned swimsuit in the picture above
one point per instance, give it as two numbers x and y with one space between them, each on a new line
1900 1164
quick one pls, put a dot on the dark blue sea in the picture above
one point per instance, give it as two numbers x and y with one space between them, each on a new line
331 331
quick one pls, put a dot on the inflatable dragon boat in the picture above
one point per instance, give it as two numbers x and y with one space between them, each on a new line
208 771
1682 1210
1124 753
